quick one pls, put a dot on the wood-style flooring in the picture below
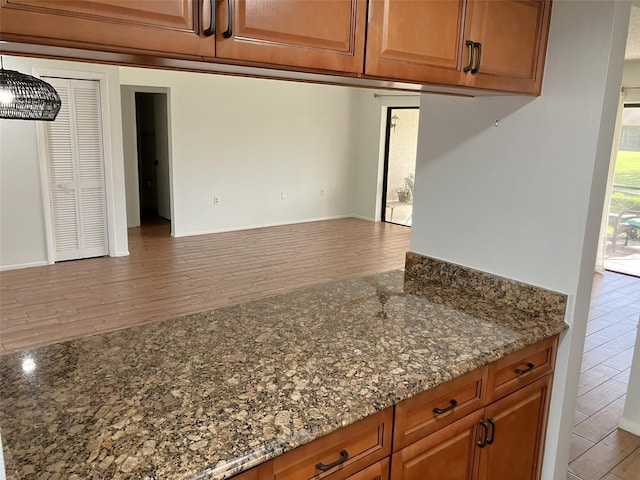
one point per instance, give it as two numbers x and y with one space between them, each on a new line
600 450
165 277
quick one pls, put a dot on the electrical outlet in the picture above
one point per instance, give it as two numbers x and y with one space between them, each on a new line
283 195
216 199
321 192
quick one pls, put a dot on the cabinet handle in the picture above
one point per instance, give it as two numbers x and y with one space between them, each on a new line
483 442
344 456
229 31
212 27
477 46
453 404
530 366
492 422
469 44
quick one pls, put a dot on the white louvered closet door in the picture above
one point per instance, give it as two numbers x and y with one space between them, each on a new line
76 172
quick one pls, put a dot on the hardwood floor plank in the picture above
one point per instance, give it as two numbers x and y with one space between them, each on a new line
629 468
165 277
601 423
595 376
600 396
596 462
579 445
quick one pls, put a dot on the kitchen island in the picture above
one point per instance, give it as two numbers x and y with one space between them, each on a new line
214 394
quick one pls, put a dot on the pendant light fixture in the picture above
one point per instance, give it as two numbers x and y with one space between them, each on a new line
23 97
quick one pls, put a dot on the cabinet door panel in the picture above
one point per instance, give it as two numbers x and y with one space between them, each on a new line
312 33
377 471
520 424
415 40
513 34
166 26
448 454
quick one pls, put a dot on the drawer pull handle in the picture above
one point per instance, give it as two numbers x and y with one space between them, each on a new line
492 422
229 31
453 404
478 47
483 443
344 456
212 20
530 366
471 46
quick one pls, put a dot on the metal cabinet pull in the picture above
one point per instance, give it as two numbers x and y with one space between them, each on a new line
212 27
344 456
478 47
492 422
483 442
453 404
229 31
469 44
530 366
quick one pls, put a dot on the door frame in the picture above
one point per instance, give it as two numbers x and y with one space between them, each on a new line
101 78
128 96
385 165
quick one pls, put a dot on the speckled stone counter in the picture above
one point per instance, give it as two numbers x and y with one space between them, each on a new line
209 395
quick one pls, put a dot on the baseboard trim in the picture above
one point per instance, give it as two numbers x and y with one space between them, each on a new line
121 254
263 225
368 219
630 426
18 266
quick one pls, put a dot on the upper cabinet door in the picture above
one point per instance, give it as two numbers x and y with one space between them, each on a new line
416 40
513 42
164 27
316 34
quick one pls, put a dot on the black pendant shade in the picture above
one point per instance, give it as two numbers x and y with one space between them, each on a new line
23 97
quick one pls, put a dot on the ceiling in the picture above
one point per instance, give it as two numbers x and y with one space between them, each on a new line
633 39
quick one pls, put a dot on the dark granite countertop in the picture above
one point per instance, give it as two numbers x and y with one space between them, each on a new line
213 394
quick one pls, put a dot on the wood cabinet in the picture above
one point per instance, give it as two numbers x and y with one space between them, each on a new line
160 27
511 43
434 409
448 454
314 34
496 45
416 40
340 454
488 424
516 428
487 44
501 439
377 471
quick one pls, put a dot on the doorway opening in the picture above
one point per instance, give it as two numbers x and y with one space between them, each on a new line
622 253
401 142
153 159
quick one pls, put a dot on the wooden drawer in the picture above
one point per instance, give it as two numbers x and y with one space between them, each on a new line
521 368
377 471
362 443
418 416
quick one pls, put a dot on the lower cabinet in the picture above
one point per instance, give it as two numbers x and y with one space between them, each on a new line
448 454
503 440
516 426
489 424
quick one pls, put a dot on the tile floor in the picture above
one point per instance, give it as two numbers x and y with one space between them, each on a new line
599 450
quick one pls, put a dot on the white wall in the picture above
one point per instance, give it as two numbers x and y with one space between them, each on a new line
524 200
22 230
368 168
247 140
